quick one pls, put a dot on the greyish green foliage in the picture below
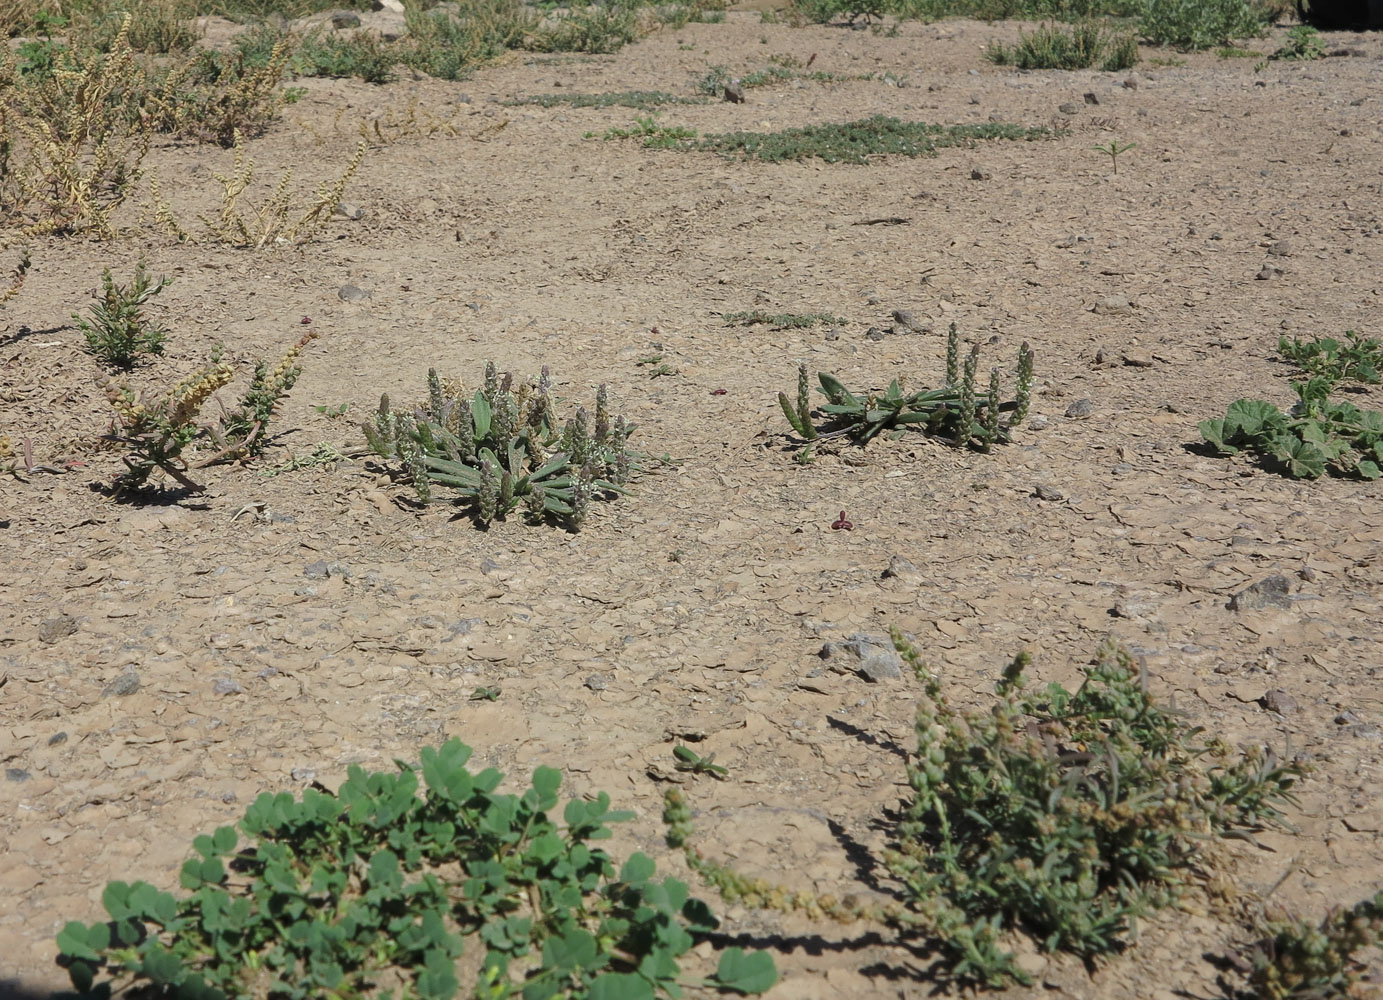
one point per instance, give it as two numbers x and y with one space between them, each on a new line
1295 960
956 411
118 331
1199 24
338 895
504 447
1303 45
1079 46
1064 815
1318 433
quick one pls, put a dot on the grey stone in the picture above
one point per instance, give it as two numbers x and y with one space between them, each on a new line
345 19
904 318
1036 424
57 739
734 93
1043 492
903 570
345 210
1091 97
1268 272
52 629
224 685
980 174
1270 592
1113 305
1069 109
1280 249
597 682
871 656
1278 701
17 774
1134 359
1080 408
126 684
875 334
350 293
303 774
321 570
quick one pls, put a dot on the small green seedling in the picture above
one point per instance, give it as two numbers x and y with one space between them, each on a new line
689 760
485 694
333 412
1114 148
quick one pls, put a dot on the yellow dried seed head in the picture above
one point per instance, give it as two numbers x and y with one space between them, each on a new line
189 395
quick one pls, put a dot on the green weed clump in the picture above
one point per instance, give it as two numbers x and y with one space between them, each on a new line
1303 45
1295 960
858 141
378 887
1081 46
1064 815
1358 359
118 331
957 411
240 433
1199 24
1318 434
505 447
779 321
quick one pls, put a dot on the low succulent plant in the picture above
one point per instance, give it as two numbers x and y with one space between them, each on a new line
956 411
504 447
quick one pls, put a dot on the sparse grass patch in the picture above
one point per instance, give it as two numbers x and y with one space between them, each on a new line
856 142
779 321
1303 45
643 100
1064 815
335 894
652 133
504 446
282 218
1081 46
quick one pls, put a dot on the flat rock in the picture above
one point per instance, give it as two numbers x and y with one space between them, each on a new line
871 656
1270 592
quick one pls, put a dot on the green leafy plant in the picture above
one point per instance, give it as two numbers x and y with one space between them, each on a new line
1114 149
240 433
1065 815
1303 45
339 895
1358 359
333 412
1199 24
1316 435
118 331
857 141
955 411
653 133
1082 45
1295 960
155 432
504 447
691 761
779 321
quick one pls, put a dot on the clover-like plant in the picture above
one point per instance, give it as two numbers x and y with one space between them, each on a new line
956 412
504 447
1064 815
376 890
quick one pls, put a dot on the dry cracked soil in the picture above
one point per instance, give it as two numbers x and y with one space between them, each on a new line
162 663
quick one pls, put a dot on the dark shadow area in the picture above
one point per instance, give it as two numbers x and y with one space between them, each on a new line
150 496
23 333
13 989
867 869
868 739
1341 15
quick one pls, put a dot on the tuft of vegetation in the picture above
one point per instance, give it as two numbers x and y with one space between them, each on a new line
956 411
505 447
1081 46
1358 359
1316 435
1192 25
1114 149
1065 815
653 133
336 895
240 433
644 100
1303 45
779 321
118 331
283 218
1295 960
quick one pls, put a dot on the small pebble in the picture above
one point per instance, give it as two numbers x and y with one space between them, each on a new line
57 739
16 774
597 682
1278 701
1044 492
1080 408
350 293
224 685
126 684
303 774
